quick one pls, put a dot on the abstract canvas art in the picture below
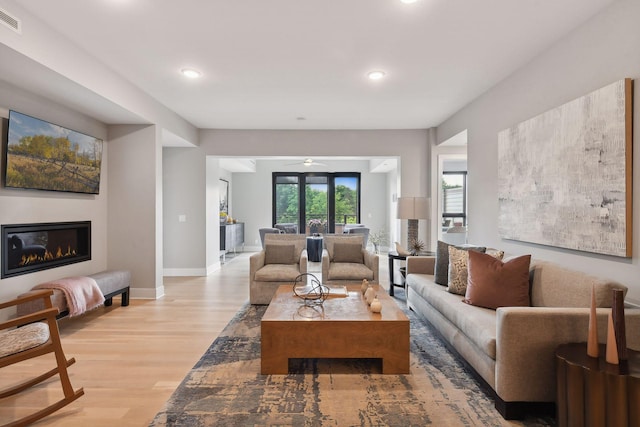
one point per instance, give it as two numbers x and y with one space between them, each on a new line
565 175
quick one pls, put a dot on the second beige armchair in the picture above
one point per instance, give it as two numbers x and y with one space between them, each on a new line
345 259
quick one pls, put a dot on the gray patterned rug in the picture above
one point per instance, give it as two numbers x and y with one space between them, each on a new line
225 388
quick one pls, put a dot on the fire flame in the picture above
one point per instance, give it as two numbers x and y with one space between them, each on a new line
48 256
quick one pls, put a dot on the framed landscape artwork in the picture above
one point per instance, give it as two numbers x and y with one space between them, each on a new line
564 177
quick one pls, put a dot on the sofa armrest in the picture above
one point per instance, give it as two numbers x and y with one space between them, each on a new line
421 264
526 340
256 262
304 261
372 261
325 265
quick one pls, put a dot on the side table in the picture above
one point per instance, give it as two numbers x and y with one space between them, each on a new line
592 392
314 248
393 255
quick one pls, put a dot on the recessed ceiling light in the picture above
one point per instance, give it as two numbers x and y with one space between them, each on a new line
376 75
408 1
191 73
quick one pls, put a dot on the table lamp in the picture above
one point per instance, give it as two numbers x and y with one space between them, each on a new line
413 209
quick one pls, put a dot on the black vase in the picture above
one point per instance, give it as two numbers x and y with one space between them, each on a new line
617 314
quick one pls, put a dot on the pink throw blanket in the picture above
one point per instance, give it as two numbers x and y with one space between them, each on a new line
82 293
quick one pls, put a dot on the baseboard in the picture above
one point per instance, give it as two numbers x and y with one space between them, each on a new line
147 293
184 272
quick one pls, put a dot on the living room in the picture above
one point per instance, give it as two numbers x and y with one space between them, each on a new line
149 148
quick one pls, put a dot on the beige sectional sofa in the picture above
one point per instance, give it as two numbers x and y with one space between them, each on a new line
512 348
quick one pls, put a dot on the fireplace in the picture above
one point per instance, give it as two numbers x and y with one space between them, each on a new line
27 248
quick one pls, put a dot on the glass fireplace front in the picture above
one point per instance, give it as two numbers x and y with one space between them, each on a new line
33 247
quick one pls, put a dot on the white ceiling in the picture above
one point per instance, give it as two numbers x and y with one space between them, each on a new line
265 63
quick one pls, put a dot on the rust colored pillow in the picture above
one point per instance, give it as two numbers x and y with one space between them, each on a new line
493 283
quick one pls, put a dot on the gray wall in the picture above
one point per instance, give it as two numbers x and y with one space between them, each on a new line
135 206
600 52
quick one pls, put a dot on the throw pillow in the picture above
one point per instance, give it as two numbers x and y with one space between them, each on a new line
441 269
348 252
457 283
493 283
280 254
458 270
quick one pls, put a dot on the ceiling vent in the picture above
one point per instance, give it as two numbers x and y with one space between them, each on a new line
10 21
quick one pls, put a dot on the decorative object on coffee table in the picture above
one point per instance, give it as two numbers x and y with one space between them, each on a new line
376 305
308 288
369 295
365 286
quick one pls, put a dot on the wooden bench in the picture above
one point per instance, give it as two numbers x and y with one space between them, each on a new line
110 282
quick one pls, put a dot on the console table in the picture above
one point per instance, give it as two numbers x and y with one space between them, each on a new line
231 237
592 392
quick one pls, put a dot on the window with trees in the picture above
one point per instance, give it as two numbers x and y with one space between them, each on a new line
316 202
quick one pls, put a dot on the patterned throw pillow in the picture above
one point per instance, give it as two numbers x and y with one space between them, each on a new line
441 269
458 272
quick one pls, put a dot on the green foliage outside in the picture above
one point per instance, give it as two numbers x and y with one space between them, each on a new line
316 203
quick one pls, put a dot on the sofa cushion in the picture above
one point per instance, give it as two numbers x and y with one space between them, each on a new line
349 271
494 284
279 254
458 271
557 286
277 273
477 323
348 252
441 270
331 240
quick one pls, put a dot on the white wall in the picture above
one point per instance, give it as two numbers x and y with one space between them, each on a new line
600 52
27 206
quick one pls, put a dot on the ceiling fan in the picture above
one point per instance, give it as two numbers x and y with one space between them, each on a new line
308 162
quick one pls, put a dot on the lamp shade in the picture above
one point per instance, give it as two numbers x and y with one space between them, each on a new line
413 208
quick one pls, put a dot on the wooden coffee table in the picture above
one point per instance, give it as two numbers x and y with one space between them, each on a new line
342 327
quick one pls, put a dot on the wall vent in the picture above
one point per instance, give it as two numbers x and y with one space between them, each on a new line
10 21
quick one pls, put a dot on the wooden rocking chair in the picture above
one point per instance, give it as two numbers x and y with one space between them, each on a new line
31 336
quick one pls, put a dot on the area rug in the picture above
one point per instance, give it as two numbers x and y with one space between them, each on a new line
225 388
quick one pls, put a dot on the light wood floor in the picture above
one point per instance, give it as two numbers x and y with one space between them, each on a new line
131 359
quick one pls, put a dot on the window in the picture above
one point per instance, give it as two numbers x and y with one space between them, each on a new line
454 199
322 202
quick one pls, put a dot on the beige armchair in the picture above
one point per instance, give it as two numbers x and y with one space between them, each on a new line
282 259
345 259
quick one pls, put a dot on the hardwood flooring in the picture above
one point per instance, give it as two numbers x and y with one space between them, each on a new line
131 359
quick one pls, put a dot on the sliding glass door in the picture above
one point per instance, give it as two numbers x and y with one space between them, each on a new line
316 202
